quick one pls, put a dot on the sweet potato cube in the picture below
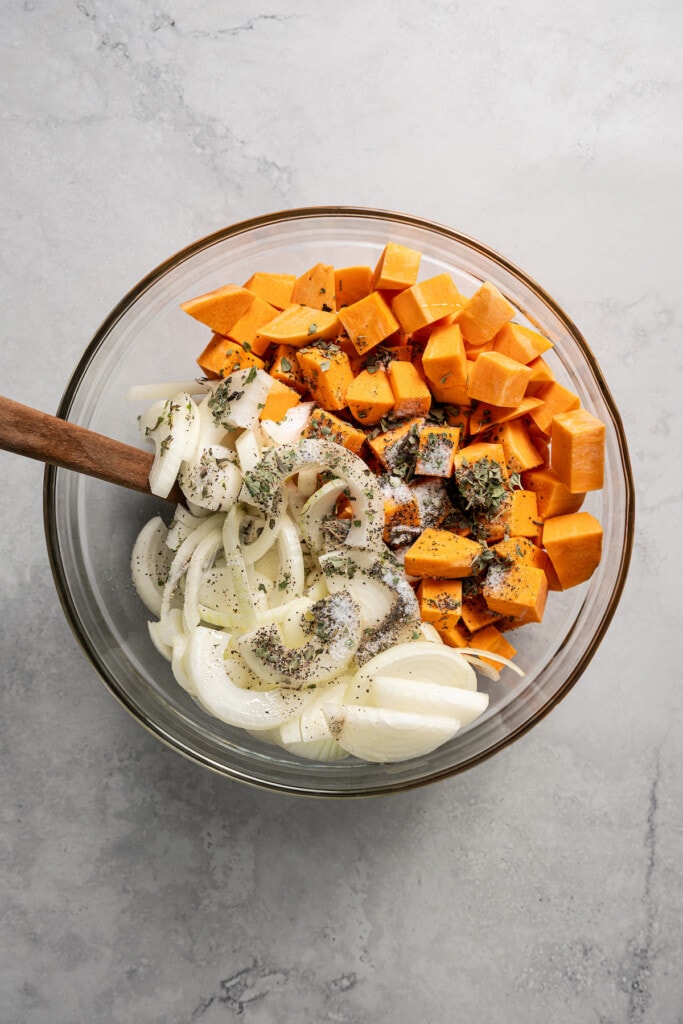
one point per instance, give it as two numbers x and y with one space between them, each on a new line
369 396
523 551
556 399
315 288
440 601
489 638
552 497
300 325
436 450
444 358
574 546
432 498
279 401
452 392
476 613
401 515
458 415
426 302
396 448
520 343
285 368
327 375
441 553
485 415
351 284
397 267
522 515
220 309
497 379
577 450
328 427
246 330
541 374
520 452
484 315
275 289
221 357
411 395
520 590
477 451
368 322
453 634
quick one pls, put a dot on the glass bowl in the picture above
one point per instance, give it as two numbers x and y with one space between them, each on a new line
91 526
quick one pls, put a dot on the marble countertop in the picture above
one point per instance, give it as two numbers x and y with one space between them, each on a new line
546 885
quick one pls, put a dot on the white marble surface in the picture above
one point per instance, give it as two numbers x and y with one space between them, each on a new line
547 884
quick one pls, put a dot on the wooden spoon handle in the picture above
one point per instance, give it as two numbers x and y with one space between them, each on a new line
29 432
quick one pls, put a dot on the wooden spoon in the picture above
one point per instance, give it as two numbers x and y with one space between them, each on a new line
27 431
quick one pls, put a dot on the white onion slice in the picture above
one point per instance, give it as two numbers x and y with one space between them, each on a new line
385 735
427 698
211 481
421 660
173 426
248 450
166 389
211 675
238 399
150 563
182 525
202 560
320 506
182 558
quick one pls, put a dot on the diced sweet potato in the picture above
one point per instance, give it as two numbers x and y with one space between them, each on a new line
497 379
275 289
577 450
285 368
476 613
352 284
279 400
541 374
328 427
397 267
300 325
489 638
553 498
327 375
520 343
246 330
411 395
315 288
370 397
397 445
221 357
484 415
441 553
556 399
484 315
444 359
574 546
436 450
220 309
426 302
521 590
368 322
440 601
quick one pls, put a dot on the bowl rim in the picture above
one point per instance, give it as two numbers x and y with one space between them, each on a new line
71 390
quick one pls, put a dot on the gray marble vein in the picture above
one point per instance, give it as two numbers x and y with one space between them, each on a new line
544 886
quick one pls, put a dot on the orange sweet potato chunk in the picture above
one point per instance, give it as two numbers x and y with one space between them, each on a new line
328 427
577 450
574 546
440 601
328 376
397 267
484 315
553 498
489 638
368 322
351 284
444 359
555 399
411 395
485 415
370 397
426 302
520 343
279 401
315 288
498 379
220 309
221 357
521 590
441 553
246 330
275 289
285 368
436 450
300 325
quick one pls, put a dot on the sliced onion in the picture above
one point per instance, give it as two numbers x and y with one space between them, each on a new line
238 399
211 674
202 560
321 658
182 559
234 561
385 735
319 507
263 487
183 523
150 563
424 661
212 481
474 655
427 698
248 450
290 578
173 426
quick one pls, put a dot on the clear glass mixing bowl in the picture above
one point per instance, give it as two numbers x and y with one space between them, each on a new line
91 526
